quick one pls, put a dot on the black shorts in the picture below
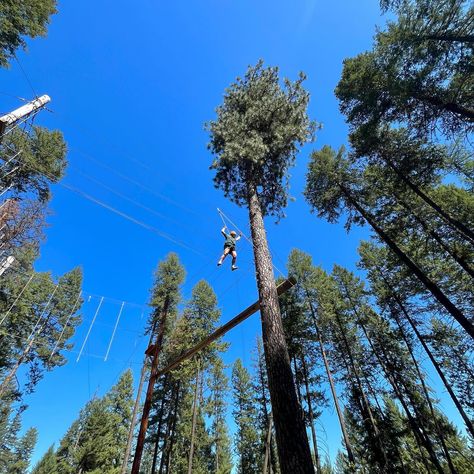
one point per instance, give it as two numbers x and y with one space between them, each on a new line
231 249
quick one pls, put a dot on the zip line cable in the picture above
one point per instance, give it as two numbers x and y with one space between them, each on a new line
117 211
129 158
136 183
130 218
13 96
132 201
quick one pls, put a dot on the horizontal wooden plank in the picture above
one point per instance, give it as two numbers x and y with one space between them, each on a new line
246 313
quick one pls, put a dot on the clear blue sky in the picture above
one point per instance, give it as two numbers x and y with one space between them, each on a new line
132 86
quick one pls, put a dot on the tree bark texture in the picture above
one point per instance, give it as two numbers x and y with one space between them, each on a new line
292 440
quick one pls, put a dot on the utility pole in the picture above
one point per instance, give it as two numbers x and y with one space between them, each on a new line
153 351
6 264
135 408
23 112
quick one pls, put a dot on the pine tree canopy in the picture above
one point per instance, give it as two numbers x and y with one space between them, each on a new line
19 19
256 135
42 160
419 71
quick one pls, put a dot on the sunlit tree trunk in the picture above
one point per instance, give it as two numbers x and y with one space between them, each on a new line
291 436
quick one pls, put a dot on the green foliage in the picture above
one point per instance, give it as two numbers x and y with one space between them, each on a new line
95 442
211 444
19 19
15 450
328 175
202 458
42 161
47 464
169 276
47 311
245 415
217 409
22 454
419 71
256 135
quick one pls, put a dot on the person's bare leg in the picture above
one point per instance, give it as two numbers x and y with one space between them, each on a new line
223 256
234 260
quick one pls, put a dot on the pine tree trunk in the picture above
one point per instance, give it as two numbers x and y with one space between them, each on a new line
298 388
291 436
340 416
367 415
149 393
457 225
439 240
447 455
173 427
454 398
311 416
268 442
431 286
428 399
160 422
464 112
261 374
169 423
418 430
193 426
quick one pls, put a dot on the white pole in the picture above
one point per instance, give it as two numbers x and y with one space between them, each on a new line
6 264
23 111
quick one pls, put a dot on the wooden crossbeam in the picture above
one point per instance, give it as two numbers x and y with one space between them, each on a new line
246 313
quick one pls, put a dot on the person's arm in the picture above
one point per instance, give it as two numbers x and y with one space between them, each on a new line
239 237
223 231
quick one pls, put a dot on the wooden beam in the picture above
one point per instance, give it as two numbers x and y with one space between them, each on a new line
246 313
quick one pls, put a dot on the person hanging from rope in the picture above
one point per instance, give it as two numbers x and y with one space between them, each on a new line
229 247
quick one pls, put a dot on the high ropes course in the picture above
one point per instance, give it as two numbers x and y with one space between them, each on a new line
24 116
